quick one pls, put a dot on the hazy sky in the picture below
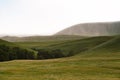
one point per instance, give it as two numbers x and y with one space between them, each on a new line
46 17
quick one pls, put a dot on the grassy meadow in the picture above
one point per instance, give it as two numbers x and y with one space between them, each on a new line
100 60
74 68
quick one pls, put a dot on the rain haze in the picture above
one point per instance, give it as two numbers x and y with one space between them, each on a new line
46 17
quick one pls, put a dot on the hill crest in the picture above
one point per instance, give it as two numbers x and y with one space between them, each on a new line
93 29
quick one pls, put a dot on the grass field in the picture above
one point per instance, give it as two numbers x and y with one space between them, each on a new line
10 44
100 61
39 44
62 69
67 46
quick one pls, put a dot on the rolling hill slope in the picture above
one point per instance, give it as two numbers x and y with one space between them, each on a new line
94 46
110 48
79 67
3 42
11 51
75 46
93 29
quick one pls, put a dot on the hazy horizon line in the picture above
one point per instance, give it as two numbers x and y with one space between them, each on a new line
28 35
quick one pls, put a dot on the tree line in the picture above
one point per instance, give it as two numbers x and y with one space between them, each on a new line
52 53
11 53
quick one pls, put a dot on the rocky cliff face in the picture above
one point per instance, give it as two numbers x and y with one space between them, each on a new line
93 29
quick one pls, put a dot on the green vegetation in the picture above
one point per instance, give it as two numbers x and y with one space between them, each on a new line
2 42
49 54
58 49
38 44
77 46
74 68
96 58
10 51
107 49
64 48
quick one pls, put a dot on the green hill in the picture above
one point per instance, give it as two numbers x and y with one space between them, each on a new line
104 46
11 51
91 47
86 65
73 47
11 44
3 42
39 44
109 48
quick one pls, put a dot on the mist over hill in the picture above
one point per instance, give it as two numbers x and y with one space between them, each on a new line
78 31
93 29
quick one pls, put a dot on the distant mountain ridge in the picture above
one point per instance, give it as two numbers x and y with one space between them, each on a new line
93 29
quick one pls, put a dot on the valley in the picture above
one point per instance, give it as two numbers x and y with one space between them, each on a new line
60 57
